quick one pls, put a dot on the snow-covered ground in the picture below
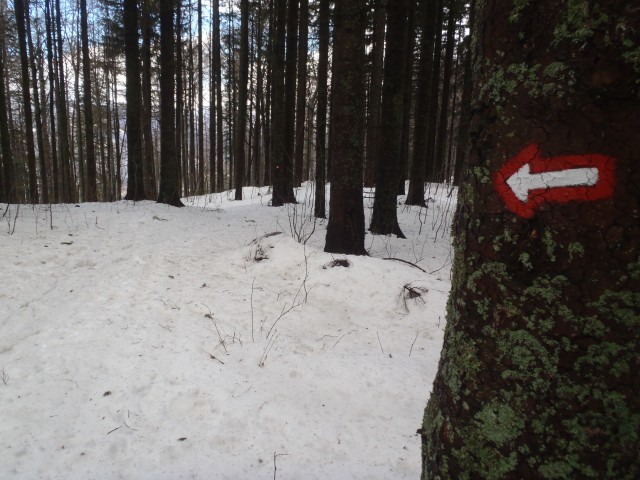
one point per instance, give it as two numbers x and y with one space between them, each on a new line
141 341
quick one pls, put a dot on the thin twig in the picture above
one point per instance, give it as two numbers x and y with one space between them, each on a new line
380 342
252 339
414 342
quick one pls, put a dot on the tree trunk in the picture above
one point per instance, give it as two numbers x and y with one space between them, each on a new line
465 101
169 167
283 160
26 100
148 167
52 103
303 40
200 190
241 119
439 163
68 186
321 123
37 105
217 69
375 93
538 376
345 231
415 195
384 219
91 189
8 193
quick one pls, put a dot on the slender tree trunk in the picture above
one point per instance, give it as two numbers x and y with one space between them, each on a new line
82 176
201 160
44 175
179 105
538 376
241 118
91 189
217 68
257 137
465 102
321 123
384 219
281 163
26 99
135 183
63 117
303 41
345 231
407 88
434 95
415 195
283 184
375 93
148 166
57 197
212 113
8 193
169 167
437 173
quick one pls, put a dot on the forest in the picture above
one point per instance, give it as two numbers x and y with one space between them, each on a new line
81 101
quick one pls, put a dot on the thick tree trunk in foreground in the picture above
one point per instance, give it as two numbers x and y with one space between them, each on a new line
345 231
540 369
91 189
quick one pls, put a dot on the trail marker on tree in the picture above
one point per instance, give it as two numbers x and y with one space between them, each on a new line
527 180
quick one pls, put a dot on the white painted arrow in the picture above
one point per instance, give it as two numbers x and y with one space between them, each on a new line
523 181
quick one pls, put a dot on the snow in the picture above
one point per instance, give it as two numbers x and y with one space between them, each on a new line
144 341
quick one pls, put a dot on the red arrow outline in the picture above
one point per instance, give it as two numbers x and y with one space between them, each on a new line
604 187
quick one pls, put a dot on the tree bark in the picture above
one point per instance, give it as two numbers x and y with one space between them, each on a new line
384 219
345 231
375 94
169 167
321 123
26 100
91 189
8 193
303 41
539 371
241 120
415 195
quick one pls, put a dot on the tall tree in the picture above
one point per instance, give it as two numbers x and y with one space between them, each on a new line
287 21
91 189
169 168
321 123
538 376
301 95
241 119
375 93
40 136
8 193
439 162
345 231
201 160
148 167
20 8
217 72
384 219
135 182
415 195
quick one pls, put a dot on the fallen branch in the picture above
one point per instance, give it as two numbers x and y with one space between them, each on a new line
407 262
